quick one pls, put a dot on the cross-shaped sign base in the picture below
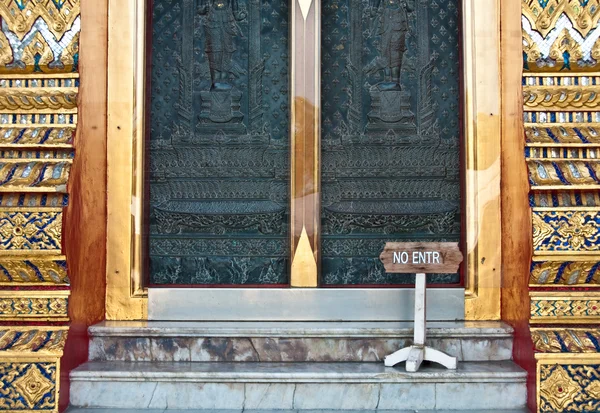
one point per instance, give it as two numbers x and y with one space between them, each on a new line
418 352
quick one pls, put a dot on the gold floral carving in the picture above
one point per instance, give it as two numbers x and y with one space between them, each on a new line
35 270
531 49
33 305
565 43
541 230
38 56
563 133
567 197
575 172
578 230
39 341
6 53
594 389
37 47
566 230
559 389
67 57
572 387
35 100
568 98
47 136
19 229
35 175
571 273
33 385
565 308
27 385
563 167
543 19
59 19
565 340
27 231
38 106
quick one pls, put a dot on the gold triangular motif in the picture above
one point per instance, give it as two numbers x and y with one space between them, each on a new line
305 7
304 265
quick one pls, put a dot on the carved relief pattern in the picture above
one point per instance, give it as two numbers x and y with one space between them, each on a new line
219 142
560 35
27 231
568 340
562 134
559 231
557 273
548 307
31 174
561 52
36 136
42 36
28 386
547 173
50 308
571 98
569 388
32 341
39 56
565 198
390 127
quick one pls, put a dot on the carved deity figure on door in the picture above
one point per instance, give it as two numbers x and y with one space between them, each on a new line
221 30
392 19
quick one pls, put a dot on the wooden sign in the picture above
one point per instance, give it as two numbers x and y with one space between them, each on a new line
421 257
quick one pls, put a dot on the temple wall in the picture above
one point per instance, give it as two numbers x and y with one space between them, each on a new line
39 115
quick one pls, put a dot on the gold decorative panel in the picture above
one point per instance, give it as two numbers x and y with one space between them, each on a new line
566 340
568 383
39 84
565 307
561 98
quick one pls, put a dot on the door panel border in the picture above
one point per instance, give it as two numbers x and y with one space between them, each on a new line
127 299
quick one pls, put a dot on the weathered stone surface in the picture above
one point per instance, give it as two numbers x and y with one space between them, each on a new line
292 342
301 386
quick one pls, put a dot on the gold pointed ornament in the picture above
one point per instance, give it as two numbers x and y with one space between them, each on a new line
304 265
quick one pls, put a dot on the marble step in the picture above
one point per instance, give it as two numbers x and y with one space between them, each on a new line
80 410
297 386
291 341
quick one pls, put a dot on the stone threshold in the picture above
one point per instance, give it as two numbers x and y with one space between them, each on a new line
283 329
467 372
84 410
477 386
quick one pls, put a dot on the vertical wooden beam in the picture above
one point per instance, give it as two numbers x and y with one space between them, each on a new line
305 142
481 67
85 229
85 217
516 215
125 299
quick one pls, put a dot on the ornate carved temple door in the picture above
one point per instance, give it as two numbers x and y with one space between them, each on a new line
289 140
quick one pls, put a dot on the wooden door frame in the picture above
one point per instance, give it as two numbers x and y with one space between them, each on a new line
126 298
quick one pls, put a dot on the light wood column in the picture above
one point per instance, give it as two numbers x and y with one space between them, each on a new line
305 142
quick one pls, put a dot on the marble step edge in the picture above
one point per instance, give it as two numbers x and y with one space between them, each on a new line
73 409
459 329
467 372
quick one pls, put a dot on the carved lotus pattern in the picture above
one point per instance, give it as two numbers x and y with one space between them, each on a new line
33 385
559 389
18 229
577 230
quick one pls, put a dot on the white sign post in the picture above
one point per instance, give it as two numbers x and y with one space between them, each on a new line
421 258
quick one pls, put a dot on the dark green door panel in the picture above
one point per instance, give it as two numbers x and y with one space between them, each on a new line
219 142
391 134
